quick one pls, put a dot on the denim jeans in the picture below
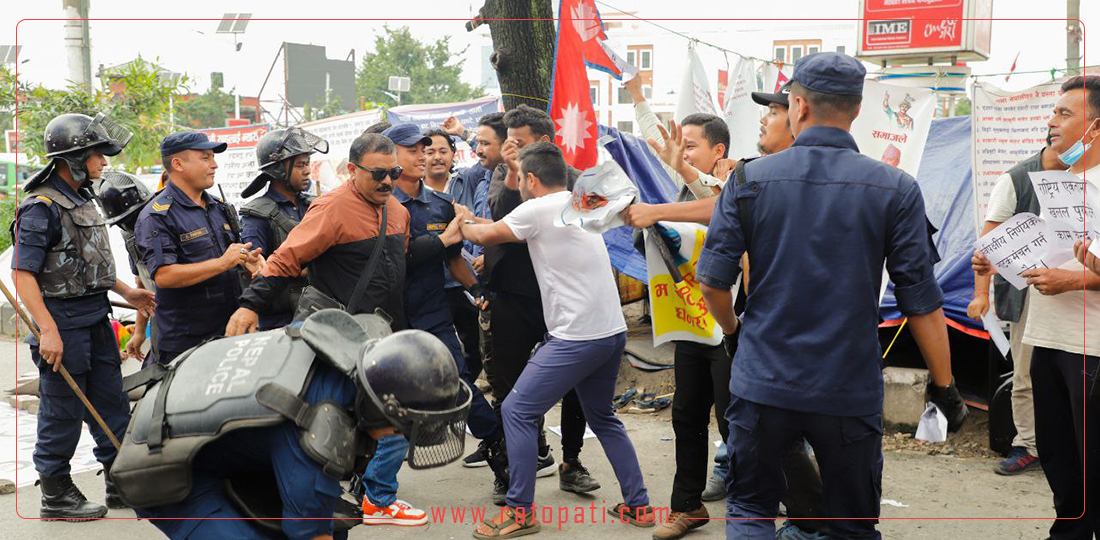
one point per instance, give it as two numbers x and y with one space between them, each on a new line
380 479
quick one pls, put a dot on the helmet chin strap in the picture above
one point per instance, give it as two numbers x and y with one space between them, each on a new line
78 167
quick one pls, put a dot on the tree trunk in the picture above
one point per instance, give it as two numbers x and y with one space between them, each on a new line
523 54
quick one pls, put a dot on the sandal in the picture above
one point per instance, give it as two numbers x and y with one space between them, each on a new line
531 526
622 400
641 516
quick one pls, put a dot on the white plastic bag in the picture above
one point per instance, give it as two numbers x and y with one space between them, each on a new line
933 425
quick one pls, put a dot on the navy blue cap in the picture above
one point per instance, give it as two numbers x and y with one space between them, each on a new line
406 135
830 73
189 140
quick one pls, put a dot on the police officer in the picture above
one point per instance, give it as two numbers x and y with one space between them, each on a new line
314 403
122 196
818 221
192 247
283 156
62 271
435 239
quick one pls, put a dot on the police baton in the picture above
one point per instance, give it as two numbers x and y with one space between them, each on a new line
666 254
64 372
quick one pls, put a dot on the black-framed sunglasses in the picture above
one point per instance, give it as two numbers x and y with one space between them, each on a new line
380 174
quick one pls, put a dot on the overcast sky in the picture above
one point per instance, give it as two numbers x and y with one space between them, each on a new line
191 46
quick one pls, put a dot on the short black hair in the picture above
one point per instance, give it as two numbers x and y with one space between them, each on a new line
495 121
440 133
370 143
829 105
525 115
715 130
377 128
544 160
1091 85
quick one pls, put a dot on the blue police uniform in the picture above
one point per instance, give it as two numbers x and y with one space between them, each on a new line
91 353
818 220
258 231
308 494
175 230
426 306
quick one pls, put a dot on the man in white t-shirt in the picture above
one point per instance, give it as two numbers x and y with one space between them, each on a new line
1066 399
587 333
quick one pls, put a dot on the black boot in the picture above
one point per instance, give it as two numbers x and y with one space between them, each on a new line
114 500
61 500
497 456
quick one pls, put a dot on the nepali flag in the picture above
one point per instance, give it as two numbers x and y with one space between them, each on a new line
570 102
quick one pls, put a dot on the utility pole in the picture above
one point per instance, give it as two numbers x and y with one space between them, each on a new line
78 45
1073 36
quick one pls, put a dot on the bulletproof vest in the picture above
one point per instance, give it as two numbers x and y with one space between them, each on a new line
81 262
281 224
1009 301
248 381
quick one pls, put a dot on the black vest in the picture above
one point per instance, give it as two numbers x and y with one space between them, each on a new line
281 224
1008 300
81 262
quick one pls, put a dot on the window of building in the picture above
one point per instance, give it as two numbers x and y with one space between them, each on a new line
780 54
625 127
840 49
812 49
594 93
631 58
796 53
624 95
646 57
647 91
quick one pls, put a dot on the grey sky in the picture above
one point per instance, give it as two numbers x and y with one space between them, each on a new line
178 45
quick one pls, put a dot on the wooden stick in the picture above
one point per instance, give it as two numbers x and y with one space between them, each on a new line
64 372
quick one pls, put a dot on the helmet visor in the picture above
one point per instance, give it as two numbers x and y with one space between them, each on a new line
295 142
105 131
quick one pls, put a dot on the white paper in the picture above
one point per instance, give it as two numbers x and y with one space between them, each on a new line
892 502
1067 206
1022 243
933 425
993 326
556 430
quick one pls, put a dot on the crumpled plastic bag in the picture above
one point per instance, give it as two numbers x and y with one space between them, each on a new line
599 195
933 425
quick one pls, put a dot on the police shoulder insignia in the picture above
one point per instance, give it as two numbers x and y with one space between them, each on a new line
193 234
44 198
157 206
226 227
437 226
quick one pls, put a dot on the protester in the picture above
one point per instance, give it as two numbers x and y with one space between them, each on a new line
192 248
62 270
1013 194
1065 394
517 319
587 334
801 369
283 157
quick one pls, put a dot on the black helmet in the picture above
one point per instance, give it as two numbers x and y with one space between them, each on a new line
277 146
72 136
409 380
121 194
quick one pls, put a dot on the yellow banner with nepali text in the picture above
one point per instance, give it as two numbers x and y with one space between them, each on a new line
678 310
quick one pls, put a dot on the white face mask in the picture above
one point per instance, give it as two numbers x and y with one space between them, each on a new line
1069 157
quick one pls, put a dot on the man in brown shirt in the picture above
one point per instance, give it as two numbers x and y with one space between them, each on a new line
336 238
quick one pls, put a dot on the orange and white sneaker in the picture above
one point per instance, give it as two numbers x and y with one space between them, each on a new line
399 513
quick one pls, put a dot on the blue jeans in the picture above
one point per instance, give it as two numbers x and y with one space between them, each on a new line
380 479
721 461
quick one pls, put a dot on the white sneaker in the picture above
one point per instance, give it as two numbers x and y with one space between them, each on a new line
399 513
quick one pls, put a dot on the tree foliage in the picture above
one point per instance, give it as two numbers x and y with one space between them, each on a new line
205 110
142 106
434 77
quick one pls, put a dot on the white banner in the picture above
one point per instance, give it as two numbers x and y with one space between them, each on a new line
695 96
237 165
742 114
331 169
1007 128
773 76
893 124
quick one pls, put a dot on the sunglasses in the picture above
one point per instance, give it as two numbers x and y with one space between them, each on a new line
380 174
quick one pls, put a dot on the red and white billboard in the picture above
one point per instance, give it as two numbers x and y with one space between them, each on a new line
896 29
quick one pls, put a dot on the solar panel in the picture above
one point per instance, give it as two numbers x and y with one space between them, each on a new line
242 22
226 23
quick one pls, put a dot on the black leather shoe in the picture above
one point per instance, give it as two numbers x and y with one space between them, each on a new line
113 499
62 501
573 477
500 492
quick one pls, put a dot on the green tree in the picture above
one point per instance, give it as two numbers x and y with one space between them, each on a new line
332 108
434 77
962 108
141 105
205 110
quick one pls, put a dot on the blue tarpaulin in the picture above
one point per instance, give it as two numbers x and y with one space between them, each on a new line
945 181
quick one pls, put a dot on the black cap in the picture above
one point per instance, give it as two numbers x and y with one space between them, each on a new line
779 98
189 140
830 73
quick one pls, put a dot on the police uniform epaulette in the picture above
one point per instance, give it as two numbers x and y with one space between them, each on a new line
161 204
44 199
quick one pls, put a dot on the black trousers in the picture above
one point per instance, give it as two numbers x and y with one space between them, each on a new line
702 376
516 327
1062 406
464 314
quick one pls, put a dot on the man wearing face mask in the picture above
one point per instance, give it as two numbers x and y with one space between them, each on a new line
1062 391
1014 194
62 270
283 156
